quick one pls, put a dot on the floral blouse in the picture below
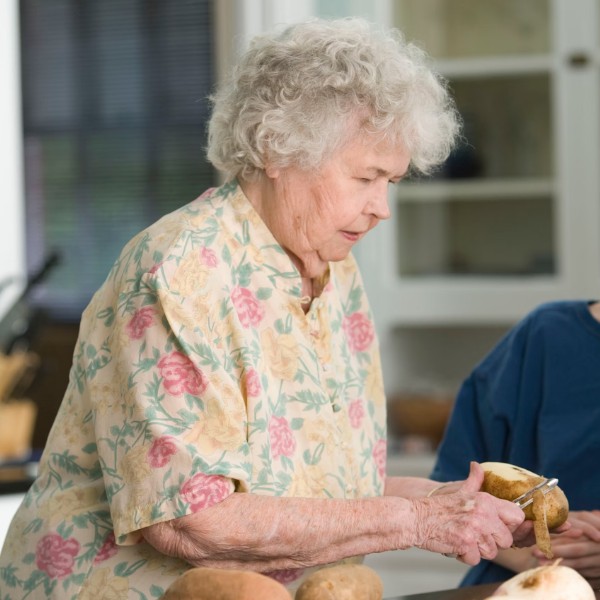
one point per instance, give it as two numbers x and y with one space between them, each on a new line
196 375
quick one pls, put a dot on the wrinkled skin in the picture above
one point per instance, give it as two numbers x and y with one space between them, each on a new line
303 532
459 520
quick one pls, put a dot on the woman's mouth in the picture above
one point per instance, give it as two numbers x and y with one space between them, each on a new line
352 236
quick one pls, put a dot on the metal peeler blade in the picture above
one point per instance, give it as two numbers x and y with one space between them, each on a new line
526 499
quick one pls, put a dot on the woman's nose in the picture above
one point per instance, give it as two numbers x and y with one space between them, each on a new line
379 205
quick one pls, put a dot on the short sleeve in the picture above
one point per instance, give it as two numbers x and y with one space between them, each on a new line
173 440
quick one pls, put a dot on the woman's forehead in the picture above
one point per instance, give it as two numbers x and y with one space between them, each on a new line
371 152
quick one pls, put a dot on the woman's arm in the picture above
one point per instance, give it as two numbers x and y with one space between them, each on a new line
411 487
266 533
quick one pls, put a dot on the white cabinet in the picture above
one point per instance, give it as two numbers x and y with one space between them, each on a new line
514 217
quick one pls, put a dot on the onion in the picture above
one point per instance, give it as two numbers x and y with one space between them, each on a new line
550 582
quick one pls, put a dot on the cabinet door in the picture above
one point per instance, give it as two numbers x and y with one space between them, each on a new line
493 232
491 206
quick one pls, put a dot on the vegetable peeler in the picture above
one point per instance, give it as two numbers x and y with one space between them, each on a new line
526 499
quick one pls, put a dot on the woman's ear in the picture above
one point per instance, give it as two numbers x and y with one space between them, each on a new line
272 172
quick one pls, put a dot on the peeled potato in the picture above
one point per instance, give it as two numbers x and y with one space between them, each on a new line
508 482
342 582
548 511
202 583
551 582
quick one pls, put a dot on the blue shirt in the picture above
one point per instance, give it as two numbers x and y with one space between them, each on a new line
534 401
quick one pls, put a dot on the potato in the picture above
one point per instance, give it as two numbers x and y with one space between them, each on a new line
342 582
202 583
548 511
550 582
508 482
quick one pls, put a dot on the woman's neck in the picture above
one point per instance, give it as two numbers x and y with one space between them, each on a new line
263 196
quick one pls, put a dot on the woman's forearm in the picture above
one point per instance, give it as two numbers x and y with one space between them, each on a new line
269 533
266 533
410 487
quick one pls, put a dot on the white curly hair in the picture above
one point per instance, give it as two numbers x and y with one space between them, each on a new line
294 96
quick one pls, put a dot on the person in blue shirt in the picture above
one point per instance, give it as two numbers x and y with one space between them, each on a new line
534 401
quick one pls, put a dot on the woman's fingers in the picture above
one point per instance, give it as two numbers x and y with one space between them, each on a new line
470 525
523 535
510 513
474 481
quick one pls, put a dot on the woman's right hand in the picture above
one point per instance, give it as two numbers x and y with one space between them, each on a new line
468 523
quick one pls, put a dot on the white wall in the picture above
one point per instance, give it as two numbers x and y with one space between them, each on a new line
12 246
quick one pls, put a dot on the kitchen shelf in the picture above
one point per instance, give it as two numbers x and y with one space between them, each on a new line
495 66
474 189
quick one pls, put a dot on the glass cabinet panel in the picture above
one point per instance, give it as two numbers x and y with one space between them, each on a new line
507 125
472 237
490 210
461 28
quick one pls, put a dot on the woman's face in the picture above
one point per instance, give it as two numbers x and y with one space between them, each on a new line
318 216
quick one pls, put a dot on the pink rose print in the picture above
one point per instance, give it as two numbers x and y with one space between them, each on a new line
253 387
108 549
141 320
208 258
204 195
359 331
180 375
161 451
379 456
281 436
55 555
248 308
356 412
155 267
286 576
202 491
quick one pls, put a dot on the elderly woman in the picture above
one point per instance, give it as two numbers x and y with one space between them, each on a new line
225 406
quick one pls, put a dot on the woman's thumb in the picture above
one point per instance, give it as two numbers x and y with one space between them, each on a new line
475 479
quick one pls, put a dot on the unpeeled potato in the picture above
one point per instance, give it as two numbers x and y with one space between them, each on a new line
203 583
547 511
342 582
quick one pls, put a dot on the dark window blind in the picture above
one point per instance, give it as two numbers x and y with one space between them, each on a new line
114 116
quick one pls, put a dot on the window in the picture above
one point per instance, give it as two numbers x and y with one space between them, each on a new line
114 115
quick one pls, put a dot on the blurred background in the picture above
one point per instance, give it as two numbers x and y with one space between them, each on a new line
104 110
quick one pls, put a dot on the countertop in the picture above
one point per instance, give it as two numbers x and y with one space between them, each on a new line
478 592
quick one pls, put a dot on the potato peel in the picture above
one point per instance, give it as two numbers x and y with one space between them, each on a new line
540 524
